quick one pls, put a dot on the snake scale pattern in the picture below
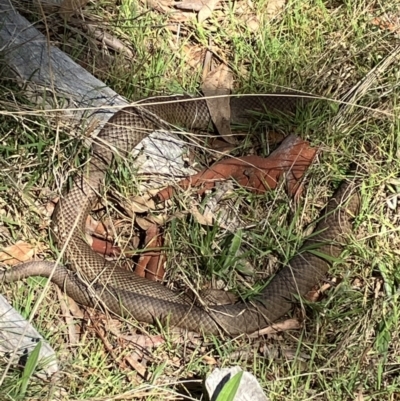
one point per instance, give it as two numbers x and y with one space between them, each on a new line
93 281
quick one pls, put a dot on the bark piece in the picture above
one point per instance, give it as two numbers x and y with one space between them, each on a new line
257 174
151 264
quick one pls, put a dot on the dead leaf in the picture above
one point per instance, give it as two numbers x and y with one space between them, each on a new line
207 10
313 295
50 206
139 367
378 287
221 147
164 6
73 333
145 341
191 5
17 253
207 220
253 23
209 360
219 82
69 7
357 284
274 7
389 22
193 55
93 226
144 223
5 232
141 204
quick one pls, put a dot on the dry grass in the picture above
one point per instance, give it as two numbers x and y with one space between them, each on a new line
347 347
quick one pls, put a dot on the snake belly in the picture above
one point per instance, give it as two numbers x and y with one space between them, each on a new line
96 282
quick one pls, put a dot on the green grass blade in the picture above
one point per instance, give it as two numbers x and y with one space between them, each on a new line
230 389
30 367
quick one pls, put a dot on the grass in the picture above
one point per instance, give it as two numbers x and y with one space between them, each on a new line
348 345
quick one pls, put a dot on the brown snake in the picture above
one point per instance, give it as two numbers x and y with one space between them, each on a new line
126 294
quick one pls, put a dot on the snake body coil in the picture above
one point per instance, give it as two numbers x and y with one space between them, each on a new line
126 294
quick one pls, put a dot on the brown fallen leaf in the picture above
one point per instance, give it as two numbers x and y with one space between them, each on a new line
207 220
313 295
207 10
145 341
193 55
17 253
216 83
73 328
389 22
133 361
144 223
253 23
220 146
93 226
257 174
50 206
165 4
274 7
191 5
140 204
209 360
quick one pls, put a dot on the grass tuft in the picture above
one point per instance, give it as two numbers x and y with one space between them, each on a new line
347 348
